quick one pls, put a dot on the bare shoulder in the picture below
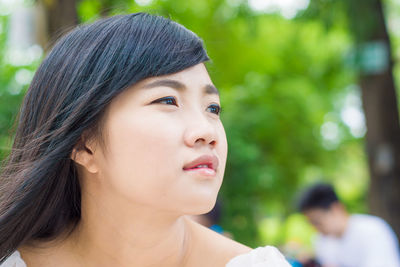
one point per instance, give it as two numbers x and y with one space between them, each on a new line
218 248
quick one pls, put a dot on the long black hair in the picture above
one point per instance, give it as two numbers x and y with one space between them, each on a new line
40 195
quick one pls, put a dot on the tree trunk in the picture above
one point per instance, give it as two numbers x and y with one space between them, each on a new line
382 117
55 17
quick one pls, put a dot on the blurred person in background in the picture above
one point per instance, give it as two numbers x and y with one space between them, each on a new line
298 255
347 240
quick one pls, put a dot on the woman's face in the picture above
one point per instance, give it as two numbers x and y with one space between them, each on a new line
165 144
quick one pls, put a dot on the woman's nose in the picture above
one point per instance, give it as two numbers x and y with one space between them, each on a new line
200 131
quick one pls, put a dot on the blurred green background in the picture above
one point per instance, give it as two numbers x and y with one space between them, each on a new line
289 75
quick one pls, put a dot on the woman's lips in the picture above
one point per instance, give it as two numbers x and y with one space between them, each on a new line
206 165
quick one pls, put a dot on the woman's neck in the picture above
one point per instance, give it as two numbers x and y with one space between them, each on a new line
130 236
117 237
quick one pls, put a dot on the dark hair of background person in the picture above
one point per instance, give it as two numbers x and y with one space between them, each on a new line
214 215
40 195
318 196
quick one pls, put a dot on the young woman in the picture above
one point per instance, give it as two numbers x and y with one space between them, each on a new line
118 138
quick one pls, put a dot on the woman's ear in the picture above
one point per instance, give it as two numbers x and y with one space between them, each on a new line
83 154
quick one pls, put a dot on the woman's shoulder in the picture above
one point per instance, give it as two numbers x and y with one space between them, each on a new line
218 248
222 251
14 260
260 257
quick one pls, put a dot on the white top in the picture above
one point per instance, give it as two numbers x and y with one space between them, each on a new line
368 242
259 257
14 260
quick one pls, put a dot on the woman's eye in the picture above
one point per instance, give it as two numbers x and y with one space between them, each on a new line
214 108
168 100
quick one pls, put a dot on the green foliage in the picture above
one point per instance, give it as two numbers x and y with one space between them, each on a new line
290 74
392 9
16 70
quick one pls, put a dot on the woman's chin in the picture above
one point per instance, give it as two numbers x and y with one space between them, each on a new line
202 207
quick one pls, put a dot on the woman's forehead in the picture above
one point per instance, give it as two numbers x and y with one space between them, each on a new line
195 77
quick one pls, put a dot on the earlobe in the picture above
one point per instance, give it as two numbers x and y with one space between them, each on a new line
85 158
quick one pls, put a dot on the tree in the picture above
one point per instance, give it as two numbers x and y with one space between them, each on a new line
56 17
381 109
374 63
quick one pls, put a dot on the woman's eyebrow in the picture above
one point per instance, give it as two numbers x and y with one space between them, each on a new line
208 89
211 89
166 83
